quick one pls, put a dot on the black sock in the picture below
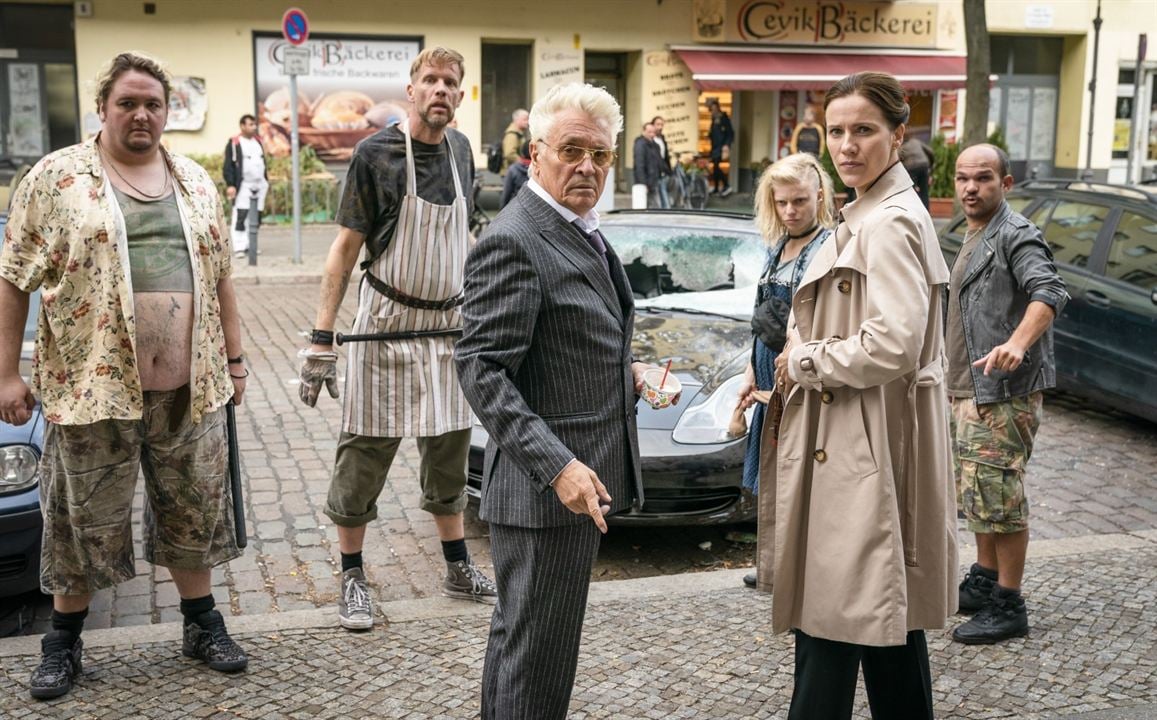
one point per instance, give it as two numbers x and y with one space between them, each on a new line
196 607
990 574
72 623
455 550
351 560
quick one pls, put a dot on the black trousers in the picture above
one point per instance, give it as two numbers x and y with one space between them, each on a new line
897 679
718 177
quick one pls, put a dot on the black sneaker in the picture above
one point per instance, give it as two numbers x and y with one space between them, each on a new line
976 588
1003 618
59 665
206 639
749 580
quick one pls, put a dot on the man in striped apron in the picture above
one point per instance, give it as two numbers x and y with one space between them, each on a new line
405 202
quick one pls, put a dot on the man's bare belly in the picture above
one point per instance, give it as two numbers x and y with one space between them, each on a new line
164 338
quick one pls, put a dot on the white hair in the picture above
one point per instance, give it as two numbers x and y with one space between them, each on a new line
596 102
518 113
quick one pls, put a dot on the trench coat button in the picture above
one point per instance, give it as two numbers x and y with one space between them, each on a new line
844 286
826 397
820 455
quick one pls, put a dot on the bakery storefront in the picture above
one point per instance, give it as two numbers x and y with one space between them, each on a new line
769 62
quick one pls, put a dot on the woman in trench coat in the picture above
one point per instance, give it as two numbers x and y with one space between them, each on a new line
865 549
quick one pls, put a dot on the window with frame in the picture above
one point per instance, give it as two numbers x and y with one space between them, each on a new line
1133 254
1072 230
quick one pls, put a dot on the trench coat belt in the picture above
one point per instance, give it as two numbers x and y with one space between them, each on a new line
409 300
931 375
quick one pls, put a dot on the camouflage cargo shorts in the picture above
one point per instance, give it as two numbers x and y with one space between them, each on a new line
991 445
88 480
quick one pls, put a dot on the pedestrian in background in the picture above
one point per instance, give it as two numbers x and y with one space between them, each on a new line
245 179
721 136
513 137
1005 293
865 550
666 173
138 350
545 360
406 202
516 176
795 212
648 164
918 158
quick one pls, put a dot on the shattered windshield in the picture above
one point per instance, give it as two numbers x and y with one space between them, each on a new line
672 267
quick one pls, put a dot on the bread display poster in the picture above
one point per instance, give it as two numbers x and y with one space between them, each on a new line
355 87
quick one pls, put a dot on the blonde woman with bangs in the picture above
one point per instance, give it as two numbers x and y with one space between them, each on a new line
795 211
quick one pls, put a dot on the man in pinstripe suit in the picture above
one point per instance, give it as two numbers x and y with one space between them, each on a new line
545 362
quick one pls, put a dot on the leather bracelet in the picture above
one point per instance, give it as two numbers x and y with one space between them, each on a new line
321 337
240 377
235 361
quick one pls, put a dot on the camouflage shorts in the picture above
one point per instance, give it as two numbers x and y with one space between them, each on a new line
88 480
991 445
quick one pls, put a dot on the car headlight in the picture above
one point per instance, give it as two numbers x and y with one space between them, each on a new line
706 422
18 468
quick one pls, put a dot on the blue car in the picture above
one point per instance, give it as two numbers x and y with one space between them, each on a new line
20 448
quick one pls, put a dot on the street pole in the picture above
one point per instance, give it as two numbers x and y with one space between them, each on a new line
1088 174
293 145
1135 131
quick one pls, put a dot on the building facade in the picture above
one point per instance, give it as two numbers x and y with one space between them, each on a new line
766 61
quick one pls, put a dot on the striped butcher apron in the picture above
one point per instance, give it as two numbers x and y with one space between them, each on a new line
409 388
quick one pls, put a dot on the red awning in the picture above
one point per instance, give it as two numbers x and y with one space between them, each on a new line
776 70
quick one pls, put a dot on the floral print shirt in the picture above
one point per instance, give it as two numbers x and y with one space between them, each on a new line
66 236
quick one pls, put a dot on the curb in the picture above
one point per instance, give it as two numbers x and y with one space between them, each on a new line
421 609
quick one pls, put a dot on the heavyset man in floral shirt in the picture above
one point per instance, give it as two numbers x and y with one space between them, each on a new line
138 349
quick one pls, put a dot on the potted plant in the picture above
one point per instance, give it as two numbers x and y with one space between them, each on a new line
942 185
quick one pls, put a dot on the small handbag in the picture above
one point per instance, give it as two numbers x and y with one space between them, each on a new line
769 322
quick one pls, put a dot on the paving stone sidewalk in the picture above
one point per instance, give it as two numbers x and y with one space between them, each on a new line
689 646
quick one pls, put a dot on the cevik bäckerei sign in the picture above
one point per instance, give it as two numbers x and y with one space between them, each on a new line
831 22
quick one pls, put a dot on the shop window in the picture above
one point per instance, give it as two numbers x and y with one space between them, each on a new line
1072 231
1133 255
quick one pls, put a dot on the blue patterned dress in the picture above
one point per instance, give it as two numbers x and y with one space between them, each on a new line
780 280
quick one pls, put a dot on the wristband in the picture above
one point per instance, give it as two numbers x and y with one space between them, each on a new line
235 361
321 337
240 377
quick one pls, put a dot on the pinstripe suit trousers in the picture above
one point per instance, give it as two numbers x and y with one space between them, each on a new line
543 576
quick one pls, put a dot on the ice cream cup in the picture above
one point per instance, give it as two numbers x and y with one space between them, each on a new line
658 396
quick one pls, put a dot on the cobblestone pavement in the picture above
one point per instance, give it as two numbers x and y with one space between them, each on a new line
694 646
1092 473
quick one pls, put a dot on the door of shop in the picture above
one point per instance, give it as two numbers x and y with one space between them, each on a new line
38 103
1024 101
609 71
505 86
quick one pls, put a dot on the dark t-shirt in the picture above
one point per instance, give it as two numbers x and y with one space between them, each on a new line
959 365
376 182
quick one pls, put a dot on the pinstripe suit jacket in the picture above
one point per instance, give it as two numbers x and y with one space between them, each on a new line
545 363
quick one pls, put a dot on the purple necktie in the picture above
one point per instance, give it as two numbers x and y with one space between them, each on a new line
598 243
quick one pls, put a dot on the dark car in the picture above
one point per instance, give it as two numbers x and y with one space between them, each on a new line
20 521
694 277
1104 241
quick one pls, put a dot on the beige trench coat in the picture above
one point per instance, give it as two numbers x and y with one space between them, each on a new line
865 511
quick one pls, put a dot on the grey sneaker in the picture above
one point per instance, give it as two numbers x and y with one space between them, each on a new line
355 610
464 581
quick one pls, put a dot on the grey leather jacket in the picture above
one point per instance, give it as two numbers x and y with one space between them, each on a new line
1011 267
